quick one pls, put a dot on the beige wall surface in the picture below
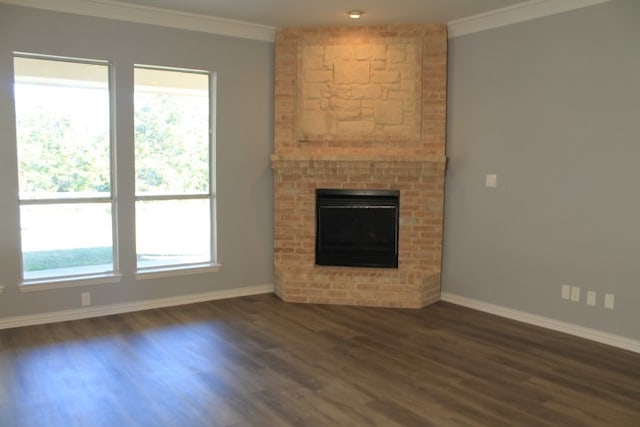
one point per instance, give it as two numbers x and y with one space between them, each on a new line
552 107
244 140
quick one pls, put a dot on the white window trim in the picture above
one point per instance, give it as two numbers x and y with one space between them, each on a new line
115 276
69 282
88 279
172 271
144 273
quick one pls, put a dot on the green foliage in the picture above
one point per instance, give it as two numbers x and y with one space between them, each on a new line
77 257
64 258
57 154
172 153
56 157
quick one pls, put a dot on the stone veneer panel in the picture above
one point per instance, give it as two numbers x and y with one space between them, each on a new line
341 87
360 108
367 90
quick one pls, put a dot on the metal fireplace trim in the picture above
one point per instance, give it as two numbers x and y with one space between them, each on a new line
385 256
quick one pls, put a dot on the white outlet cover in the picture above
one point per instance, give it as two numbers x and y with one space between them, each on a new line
609 300
591 298
85 298
575 293
491 180
565 291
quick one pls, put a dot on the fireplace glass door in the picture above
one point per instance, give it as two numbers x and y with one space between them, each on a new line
357 228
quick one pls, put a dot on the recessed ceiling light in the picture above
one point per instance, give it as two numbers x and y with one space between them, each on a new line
355 14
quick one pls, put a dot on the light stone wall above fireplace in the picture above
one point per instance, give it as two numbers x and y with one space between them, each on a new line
360 108
366 91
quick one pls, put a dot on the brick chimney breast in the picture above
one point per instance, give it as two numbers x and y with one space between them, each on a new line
360 108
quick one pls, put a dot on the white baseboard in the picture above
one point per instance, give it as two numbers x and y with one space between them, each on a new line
106 310
87 312
545 322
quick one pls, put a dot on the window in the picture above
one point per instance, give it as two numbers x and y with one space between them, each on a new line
64 166
175 199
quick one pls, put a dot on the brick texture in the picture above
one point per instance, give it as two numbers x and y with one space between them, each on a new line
360 108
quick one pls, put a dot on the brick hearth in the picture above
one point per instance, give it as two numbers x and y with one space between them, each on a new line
360 108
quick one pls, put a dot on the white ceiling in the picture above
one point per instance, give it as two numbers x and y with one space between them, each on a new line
291 13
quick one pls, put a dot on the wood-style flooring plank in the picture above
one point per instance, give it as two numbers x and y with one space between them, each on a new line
256 361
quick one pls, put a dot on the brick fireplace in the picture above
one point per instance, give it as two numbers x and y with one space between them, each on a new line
360 108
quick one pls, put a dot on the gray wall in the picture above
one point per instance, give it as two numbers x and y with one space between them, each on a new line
552 106
244 142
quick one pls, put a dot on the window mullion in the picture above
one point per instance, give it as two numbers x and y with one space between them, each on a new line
26 202
173 197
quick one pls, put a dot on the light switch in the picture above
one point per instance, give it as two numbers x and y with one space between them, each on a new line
492 180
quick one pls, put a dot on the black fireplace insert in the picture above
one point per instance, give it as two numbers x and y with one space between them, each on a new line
357 228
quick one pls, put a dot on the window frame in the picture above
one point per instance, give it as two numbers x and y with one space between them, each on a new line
169 270
86 278
116 197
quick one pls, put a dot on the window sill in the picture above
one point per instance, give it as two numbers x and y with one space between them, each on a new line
154 273
68 282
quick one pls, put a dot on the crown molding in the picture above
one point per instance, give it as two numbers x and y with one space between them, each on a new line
513 14
112 9
152 15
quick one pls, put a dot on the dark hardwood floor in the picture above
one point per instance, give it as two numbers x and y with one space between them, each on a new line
256 361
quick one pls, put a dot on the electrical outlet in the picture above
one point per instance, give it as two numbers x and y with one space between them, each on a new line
591 298
491 180
85 298
565 291
575 293
609 300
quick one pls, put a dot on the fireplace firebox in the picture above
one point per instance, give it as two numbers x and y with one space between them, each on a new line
357 228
